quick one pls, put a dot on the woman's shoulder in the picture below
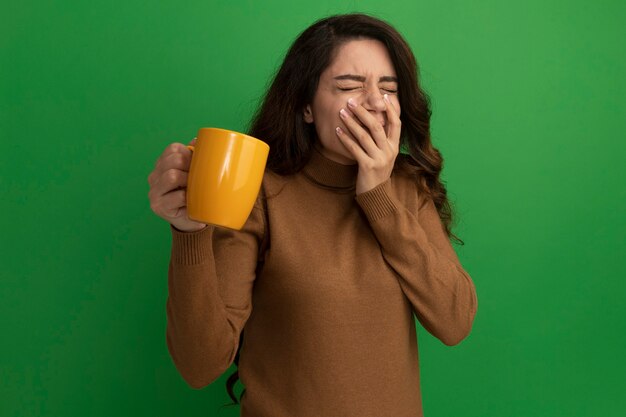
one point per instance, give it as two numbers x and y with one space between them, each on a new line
273 183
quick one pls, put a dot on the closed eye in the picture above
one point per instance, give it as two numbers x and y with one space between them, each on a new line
389 90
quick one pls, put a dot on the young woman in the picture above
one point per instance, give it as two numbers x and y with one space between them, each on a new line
347 242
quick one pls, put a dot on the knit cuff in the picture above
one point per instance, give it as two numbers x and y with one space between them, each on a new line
190 248
378 202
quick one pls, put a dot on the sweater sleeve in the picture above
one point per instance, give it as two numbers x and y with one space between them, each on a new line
210 280
415 245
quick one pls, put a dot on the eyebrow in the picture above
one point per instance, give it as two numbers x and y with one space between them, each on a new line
362 78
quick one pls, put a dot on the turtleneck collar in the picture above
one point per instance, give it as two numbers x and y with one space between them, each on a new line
330 174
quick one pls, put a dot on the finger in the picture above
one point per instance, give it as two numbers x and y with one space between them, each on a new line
176 155
393 121
355 130
351 145
170 204
170 180
376 130
176 160
172 148
179 160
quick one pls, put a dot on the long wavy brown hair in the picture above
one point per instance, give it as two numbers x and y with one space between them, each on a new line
279 120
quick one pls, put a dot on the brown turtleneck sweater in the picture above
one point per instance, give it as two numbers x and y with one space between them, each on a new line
327 284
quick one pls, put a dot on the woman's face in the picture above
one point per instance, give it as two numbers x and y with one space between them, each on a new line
361 70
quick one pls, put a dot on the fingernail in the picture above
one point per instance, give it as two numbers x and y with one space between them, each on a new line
351 102
343 113
386 96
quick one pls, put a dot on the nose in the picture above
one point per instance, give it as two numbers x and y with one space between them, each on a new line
373 100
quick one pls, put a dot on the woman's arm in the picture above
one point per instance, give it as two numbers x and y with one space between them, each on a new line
210 279
415 245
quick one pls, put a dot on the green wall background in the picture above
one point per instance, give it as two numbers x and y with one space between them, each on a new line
528 102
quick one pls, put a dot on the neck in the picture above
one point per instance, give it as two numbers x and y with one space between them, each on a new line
334 156
330 174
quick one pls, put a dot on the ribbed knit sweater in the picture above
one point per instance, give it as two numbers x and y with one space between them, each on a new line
326 283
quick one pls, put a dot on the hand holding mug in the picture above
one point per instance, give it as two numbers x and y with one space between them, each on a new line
168 187
213 180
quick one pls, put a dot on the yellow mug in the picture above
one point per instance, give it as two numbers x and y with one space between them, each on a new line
224 177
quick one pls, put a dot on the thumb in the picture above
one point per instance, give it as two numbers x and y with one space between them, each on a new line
193 141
